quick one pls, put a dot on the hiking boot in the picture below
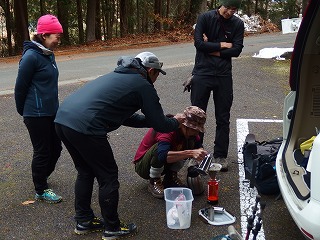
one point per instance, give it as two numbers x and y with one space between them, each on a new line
124 230
94 225
223 162
171 179
156 188
48 196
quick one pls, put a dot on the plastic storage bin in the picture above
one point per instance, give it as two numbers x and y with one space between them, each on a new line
178 207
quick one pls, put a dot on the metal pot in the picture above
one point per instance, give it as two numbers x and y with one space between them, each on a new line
194 181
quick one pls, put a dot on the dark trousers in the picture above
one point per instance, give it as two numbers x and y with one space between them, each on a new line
222 93
46 149
93 158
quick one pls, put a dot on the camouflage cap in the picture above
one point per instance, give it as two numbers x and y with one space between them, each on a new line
195 118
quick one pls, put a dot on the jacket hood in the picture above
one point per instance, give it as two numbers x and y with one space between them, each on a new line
129 64
36 47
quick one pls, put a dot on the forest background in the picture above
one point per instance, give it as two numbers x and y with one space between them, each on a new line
103 23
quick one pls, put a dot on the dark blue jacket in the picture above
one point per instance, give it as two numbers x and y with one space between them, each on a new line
217 29
36 88
112 100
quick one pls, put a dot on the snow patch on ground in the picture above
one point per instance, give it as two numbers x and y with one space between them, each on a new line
276 53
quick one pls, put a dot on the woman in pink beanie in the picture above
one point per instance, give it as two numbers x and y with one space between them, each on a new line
36 96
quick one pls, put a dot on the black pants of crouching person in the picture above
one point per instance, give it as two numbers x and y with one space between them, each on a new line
46 149
93 158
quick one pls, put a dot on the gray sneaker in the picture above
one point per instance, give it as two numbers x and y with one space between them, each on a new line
223 162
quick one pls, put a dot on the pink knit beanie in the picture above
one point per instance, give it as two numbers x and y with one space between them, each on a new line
49 24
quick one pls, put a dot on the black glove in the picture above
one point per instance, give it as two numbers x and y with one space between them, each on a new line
187 84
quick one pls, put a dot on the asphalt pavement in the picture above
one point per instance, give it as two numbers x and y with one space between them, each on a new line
260 86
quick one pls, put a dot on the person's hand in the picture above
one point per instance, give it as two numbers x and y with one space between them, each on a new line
187 84
225 45
180 117
199 154
205 38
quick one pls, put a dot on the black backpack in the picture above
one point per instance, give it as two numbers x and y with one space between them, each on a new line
259 164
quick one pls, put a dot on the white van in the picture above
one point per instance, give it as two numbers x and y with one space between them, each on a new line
298 169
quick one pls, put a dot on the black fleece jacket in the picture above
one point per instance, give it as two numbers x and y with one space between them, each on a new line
112 100
217 29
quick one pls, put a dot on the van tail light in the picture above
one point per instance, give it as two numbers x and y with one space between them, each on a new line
307 234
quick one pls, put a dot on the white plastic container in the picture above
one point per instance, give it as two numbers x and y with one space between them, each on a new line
286 25
178 207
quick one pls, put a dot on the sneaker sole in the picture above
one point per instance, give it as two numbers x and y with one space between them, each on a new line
85 232
121 237
51 202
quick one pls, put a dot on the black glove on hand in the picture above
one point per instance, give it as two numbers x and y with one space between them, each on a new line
187 84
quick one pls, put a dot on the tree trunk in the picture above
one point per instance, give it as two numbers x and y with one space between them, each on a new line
63 16
91 20
196 7
42 7
123 18
80 23
138 17
167 14
157 14
98 21
256 7
21 31
6 44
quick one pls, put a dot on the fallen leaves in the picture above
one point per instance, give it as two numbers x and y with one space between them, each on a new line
28 202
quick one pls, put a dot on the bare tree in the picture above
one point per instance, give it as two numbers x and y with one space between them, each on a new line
123 18
21 31
118 18
5 4
63 7
80 23
196 7
98 21
158 15
91 20
42 7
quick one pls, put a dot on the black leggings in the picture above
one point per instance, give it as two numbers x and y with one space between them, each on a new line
46 149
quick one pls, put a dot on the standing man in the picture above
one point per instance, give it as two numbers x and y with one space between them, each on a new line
165 153
86 117
218 37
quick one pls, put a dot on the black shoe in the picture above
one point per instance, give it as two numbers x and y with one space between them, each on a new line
125 230
94 225
171 179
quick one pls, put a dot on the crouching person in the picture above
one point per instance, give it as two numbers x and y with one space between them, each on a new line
165 153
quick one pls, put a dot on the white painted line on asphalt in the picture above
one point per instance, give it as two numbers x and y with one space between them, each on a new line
247 194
